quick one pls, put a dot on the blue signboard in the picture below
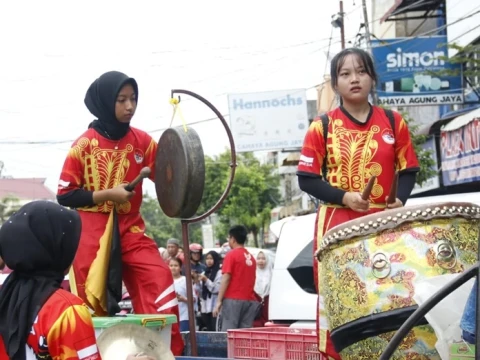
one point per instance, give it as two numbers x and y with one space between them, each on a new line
461 154
412 72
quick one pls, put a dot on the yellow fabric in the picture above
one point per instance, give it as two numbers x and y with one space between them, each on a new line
72 281
96 283
322 334
372 205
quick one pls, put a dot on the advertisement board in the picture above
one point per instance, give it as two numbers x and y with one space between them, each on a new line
272 120
413 71
461 154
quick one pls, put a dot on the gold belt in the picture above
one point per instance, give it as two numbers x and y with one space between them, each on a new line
372 206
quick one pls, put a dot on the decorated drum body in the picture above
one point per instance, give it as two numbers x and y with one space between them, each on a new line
370 266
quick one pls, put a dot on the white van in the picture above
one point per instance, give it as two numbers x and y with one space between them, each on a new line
293 299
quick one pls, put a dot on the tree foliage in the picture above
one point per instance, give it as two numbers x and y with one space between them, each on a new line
160 227
8 205
465 55
424 156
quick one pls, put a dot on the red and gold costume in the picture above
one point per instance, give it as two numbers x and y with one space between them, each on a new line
96 163
355 152
63 330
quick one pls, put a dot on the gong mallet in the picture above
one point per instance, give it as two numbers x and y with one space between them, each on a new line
392 196
368 189
144 173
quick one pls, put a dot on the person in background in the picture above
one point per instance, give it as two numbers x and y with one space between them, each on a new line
40 320
236 297
173 246
468 321
262 287
163 253
344 148
180 283
210 286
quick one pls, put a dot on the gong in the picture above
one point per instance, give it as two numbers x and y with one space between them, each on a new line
179 172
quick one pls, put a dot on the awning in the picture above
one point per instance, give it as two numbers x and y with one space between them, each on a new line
462 120
326 98
434 128
292 159
406 6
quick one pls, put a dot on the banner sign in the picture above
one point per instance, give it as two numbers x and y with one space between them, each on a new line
461 154
412 72
273 120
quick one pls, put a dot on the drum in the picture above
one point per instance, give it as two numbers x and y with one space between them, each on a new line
370 267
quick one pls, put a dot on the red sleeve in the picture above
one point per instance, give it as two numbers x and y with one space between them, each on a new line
72 336
71 177
313 150
405 156
227 265
150 155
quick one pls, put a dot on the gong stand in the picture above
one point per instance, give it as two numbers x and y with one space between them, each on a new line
191 201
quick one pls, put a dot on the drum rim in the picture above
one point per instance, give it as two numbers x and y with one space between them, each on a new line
392 218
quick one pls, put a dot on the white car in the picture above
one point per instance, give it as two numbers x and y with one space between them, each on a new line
293 299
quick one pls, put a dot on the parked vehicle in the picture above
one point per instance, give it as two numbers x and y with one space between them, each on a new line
293 298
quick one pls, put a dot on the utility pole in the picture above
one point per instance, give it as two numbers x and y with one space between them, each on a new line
369 45
342 27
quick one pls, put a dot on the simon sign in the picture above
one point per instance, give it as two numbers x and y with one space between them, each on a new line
414 71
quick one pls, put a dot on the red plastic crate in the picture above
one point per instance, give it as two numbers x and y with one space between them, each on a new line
274 343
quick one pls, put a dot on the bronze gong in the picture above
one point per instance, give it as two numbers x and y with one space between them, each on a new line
179 172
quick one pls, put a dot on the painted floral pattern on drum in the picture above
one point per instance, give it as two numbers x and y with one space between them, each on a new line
352 291
419 344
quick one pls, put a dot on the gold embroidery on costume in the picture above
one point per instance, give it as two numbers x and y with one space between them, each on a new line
350 167
103 169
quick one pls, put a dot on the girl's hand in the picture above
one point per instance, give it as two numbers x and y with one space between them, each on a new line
355 202
398 203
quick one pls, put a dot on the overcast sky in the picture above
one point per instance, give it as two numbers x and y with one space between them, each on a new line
52 50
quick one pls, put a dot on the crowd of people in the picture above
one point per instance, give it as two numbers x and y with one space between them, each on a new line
230 286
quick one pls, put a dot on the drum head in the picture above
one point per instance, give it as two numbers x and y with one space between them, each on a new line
121 340
179 172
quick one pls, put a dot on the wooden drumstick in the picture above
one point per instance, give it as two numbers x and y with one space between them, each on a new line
145 172
392 196
368 189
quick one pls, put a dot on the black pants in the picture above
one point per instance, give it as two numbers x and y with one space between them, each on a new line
209 322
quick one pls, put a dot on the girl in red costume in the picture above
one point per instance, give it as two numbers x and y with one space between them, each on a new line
40 320
113 245
360 142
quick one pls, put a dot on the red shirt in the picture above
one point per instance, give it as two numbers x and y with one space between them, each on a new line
356 151
242 267
63 330
96 163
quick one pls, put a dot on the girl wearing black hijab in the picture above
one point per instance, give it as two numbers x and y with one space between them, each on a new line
210 287
38 319
38 243
113 244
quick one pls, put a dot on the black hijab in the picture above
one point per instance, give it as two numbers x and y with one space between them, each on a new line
100 100
38 243
211 273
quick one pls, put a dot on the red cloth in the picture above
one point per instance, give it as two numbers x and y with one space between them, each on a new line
96 163
242 267
263 317
355 152
64 324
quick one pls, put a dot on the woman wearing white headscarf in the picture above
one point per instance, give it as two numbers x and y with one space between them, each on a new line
262 287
